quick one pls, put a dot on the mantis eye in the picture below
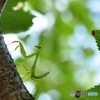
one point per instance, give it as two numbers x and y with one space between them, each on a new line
39 47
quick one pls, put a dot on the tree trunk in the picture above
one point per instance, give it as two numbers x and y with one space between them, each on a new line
11 85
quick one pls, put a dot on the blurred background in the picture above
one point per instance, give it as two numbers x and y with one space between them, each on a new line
69 52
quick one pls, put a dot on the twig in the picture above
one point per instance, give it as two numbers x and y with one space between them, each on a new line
2 5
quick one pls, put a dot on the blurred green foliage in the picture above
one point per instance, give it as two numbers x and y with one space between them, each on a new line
67 50
14 20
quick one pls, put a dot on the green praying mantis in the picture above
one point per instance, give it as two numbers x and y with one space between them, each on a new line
33 67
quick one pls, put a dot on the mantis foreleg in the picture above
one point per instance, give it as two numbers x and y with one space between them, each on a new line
34 66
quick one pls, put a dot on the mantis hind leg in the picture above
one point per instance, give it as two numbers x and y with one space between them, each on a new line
40 76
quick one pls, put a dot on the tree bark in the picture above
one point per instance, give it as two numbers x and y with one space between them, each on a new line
11 85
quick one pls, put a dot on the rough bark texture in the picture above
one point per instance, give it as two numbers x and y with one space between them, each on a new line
11 85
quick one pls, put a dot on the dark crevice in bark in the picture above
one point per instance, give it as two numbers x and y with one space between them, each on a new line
11 84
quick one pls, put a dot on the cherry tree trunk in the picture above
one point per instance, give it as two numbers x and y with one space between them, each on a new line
11 85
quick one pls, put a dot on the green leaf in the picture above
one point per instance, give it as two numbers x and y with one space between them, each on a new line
15 20
96 96
96 34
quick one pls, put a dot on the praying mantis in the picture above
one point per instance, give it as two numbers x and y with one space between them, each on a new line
33 67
